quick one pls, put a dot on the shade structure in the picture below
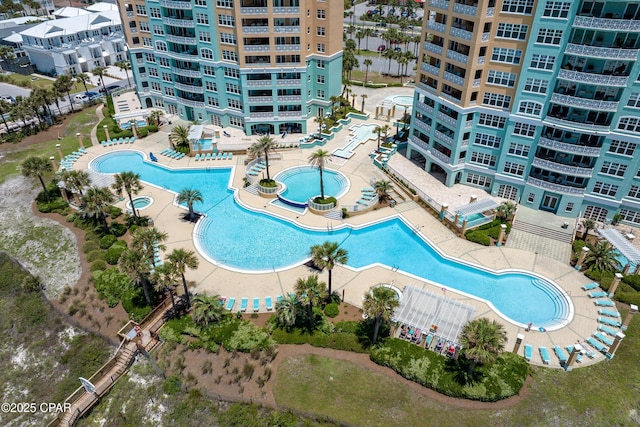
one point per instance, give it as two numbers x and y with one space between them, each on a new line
477 207
195 132
434 313
621 243
101 179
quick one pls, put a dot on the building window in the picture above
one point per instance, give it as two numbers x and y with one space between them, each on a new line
320 63
161 46
320 94
205 36
206 53
228 38
164 62
520 7
536 85
226 20
203 18
320 47
630 216
231 88
211 86
501 78
569 207
492 121
141 10
634 100
167 77
629 124
212 102
229 55
146 41
496 100
169 91
622 147
158 29
512 31
615 169
149 57
235 104
549 36
487 140
208 70
222 3
524 129
605 189
154 12
320 79
530 108
144 26
155 86
231 72
321 13
320 31
514 169
556 9
531 197
508 56
596 213
479 180
520 150
542 62
483 158
507 192
634 192
236 121
153 72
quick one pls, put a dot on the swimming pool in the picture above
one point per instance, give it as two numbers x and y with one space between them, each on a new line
205 144
141 202
240 239
303 183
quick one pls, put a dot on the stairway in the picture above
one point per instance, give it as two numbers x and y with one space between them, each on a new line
560 235
253 189
334 214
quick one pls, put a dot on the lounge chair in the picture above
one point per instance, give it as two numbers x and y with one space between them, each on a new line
562 356
599 294
417 336
230 303
121 141
252 173
196 157
208 156
610 322
600 337
219 156
428 340
595 344
604 303
570 350
126 140
608 330
243 303
278 298
256 304
610 313
230 156
544 354
268 303
367 197
104 143
82 150
362 202
224 156
133 139
368 189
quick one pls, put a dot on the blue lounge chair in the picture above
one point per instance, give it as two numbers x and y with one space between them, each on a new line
121 141
82 150
600 337
278 298
268 303
528 352
368 189
544 354
243 304
604 303
599 294
230 303
366 197
610 313
197 157
133 139
361 202
104 143
252 173
219 156
609 322
595 344
256 304
230 156
608 330
126 140
570 350
562 356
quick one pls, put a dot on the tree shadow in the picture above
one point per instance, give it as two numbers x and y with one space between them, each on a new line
365 329
187 218
462 370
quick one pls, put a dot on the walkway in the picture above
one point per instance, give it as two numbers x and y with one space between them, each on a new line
100 115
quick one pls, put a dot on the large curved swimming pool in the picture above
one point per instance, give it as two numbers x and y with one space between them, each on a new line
240 239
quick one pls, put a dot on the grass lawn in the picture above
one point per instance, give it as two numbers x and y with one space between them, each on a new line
378 77
33 82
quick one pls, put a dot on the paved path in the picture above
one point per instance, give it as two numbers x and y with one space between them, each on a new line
100 115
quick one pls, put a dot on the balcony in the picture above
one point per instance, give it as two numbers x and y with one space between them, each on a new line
287 29
288 82
560 168
434 48
188 88
574 124
453 78
170 4
602 52
257 48
286 10
452 54
260 99
255 83
190 102
446 119
187 55
430 69
460 33
477 82
423 126
424 107
289 98
490 12
419 143
444 138
186 72
184 23
440 4
261 115
480 60
465 10
181 39
596 79
440 156
436 26
557 188
568 148
253 10
591 104
288 47
606 24
288 114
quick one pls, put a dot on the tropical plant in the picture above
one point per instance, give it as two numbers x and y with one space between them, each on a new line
128 182
134 264
149 240
207 309
588 224
320 120
381 130
155 116
264 144
164 278
100 73
96 203
382 189
36 167
63 85
327 255
181 259
124 66
483 340
190 196
363 96
179 136
319 159
602 256
84 79
506 210
379 304
75 180
367 63
310 292
287 311
334 99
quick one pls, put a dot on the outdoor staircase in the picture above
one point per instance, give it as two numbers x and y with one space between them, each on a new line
559 235
253 189
334 214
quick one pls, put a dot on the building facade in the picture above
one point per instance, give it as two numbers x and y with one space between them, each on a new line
265 66
536 101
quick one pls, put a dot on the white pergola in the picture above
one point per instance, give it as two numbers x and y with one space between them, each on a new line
621 243
477 207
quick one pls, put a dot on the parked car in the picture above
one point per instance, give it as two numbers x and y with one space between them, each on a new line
8 98
382 48
109 88
381 24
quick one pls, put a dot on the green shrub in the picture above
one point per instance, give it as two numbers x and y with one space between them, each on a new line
115 212
95 255
56 205
71 217
325 201
478 237
632 280
339 340
113 253
171 385
97 265
133 228
628 297
107 241
332 310
90 246
247 337
152 128
112 285
142 132
135 304
118 229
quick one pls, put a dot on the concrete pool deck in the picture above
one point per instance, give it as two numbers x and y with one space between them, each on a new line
218 280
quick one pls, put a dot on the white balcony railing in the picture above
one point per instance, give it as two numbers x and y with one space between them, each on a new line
289 98
436 26
591 78
261 99
430 68
424 107
257 48
460 33
253 10
565 189
464 9
288 47
258 82
440 4
452 54
287 29
433 48
591 104
453 78
190 102
568 148
606 24
288 82
186 72
181 39
602 52
258 29
443 137
171 4
559 167
447 119
423 126
186 23
286 10
188 88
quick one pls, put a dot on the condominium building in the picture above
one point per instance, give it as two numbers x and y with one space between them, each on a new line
536 101
260 65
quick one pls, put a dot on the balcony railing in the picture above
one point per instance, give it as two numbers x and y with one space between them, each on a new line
440 156
490 11
185 23
436 26
189 55
602 52
606 24
423 126
257 48
559 167
190 102
256 29
419 143
568 148
460 33
261 115
477 82
433 48
569 123
288 47
286 10
452 54
590 78
259 82
565 189
260 99
181 39
591 104
453 78
444 138
253 10
289 98
430 69
186 72
464 9
288 114
170 4
188 88
440 4
287 29
480 60
288 82
447 119
425 107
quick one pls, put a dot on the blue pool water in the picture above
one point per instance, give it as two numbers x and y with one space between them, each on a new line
303 183
205 144
242 239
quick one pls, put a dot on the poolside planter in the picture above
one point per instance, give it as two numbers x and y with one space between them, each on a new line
269 192
320 208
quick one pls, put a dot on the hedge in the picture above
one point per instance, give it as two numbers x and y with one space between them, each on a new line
113 253
107 241
343 340
97 265
95 255
332 310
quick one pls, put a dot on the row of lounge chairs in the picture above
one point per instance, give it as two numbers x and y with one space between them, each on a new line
127 140
432 341
173 154
68 160
244 302
256 169
368 195
213 156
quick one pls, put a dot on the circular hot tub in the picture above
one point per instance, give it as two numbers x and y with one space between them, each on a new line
140 203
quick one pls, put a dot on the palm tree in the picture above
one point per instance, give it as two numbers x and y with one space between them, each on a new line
381 130
164 278
100 72
128 182
334 100
359 36
379 304
35 166
602 257
363 96
319 159
367 63
132 263
179 136
310 292
148 240
327 255
588 224
76 180
382 188
155 116
181 259
506 210
367 33
96 203
83 78
62 85
124 66
320 120
483 340
264 144
207 309
190 196
287 311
